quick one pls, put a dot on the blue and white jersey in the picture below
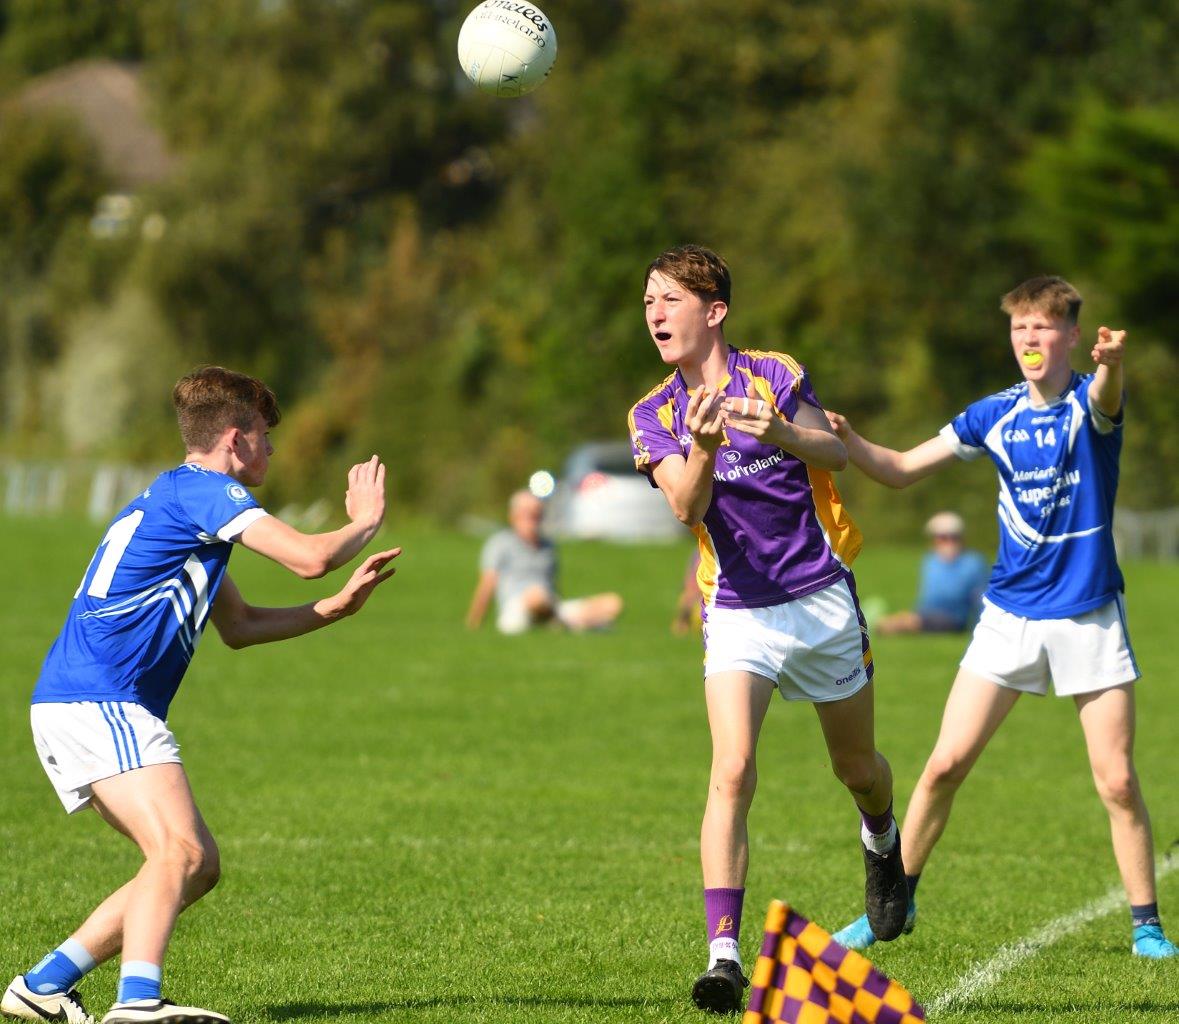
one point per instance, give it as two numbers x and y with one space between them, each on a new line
1058 477
144 600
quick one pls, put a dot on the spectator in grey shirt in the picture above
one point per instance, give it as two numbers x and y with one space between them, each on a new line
518 567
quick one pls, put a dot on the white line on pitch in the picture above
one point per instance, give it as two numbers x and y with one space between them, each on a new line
985 975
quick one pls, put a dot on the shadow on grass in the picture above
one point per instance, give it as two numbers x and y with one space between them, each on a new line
311 1011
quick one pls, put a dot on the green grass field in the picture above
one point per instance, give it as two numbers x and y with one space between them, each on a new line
422 824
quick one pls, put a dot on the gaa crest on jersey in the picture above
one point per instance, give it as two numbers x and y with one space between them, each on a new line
237 493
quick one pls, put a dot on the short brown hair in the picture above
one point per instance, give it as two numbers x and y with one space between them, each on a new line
212 399
1053 296
699 270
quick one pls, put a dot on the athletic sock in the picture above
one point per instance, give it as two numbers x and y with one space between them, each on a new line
61 970
878 831
722 910
911 881
1144 913
138 979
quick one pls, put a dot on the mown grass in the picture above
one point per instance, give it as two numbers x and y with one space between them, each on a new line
424 824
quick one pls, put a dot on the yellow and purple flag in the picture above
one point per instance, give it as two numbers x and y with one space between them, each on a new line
803 976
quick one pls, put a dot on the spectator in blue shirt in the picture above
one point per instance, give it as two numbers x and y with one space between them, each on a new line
952 582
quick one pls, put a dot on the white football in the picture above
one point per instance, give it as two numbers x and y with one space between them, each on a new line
507 48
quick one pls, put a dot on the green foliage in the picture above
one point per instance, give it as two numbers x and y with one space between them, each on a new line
454 280
114 380
39 35
49 181
1103 199
49 176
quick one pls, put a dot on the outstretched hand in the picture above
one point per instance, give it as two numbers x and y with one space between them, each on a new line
365 500
367 577
840 424
705 418
1110 347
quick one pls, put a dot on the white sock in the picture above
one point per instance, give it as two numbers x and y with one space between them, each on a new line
723 949
879 844
78 955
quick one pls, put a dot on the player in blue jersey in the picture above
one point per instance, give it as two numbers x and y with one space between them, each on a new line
100 705
1053 613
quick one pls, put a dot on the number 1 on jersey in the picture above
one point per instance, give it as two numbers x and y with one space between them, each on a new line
116 540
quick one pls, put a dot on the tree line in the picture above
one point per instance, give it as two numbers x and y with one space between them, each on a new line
455 281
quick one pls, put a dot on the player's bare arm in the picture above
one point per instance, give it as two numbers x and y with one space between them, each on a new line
1106 390
481 598
809 437
313 555
240 624
887 465
687 483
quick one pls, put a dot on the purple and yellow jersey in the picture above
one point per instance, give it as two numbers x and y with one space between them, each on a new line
776 529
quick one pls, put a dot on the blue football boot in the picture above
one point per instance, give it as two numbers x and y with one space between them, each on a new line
858 934
1149 941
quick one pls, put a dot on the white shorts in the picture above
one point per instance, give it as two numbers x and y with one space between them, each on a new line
814 648
82 742
514 617
1078 655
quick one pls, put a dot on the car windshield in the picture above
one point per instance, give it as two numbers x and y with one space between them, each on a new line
620 461
600 457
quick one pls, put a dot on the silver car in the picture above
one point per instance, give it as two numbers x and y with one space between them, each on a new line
600 496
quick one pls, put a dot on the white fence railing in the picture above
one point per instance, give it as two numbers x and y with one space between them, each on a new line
36 488
99 489
30 487
1147 534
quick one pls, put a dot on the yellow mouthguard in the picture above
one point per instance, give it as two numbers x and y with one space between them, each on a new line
1032 359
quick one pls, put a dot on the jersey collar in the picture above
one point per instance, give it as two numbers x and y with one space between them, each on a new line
1069 388
730 366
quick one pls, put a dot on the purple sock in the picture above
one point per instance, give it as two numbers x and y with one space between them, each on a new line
722 909
877 824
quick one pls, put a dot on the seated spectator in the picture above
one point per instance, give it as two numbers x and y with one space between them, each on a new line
518 567
952 583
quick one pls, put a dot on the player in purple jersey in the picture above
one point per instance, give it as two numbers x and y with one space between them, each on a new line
99 706
1053 613
741 448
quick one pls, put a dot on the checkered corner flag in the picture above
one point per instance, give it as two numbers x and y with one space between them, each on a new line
803 976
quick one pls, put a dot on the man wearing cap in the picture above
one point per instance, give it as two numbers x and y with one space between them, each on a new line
952 582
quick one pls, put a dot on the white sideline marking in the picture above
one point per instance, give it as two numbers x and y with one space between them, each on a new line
985 975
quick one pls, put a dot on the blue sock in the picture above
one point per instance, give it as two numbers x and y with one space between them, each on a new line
911 881
1144 913
61 970
138 980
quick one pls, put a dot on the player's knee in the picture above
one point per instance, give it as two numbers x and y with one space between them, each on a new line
734 778
189 859
208 870
1118 788
858 774
945 769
